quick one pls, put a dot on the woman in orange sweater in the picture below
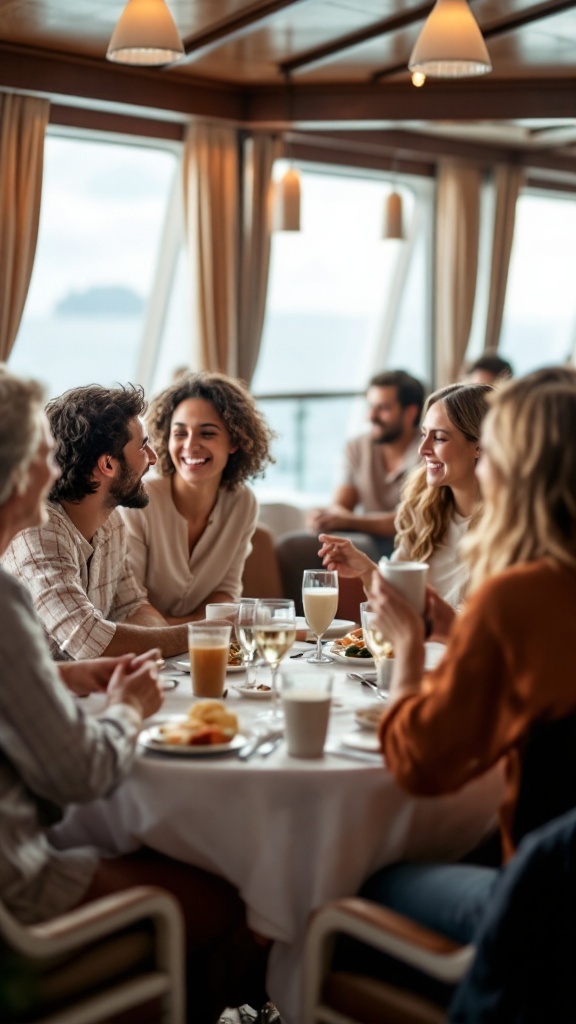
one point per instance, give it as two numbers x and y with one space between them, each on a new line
510 660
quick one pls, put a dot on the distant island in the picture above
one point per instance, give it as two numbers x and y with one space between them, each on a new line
104 301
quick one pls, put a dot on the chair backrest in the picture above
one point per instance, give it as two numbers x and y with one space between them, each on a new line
548 787
261 576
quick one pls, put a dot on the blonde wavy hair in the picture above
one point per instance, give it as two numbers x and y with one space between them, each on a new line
426 512
531 508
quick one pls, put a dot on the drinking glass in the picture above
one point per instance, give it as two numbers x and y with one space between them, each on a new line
379 647
208 644
223 610
274 633
320 600
245 634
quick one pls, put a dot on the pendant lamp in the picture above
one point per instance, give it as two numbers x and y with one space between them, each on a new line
146 34
288 202
451 44
393 217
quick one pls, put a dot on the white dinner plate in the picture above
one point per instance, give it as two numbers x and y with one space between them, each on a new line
184 664
152 739
365 740
338 627
338 652
252 692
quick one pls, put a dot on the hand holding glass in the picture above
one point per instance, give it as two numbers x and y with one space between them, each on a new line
274 632
320 600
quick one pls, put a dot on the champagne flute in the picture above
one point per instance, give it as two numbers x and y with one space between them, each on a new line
320 600
379 647
274 633
245 635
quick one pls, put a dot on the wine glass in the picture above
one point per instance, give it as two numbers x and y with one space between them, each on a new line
245 634
274 633
379 647
320 600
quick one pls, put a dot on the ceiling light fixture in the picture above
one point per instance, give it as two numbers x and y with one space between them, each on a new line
451 44
146 33
418 79
288 189
393 217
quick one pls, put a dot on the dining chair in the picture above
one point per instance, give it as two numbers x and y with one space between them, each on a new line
93 963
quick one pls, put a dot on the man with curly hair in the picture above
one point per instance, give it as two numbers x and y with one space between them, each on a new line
76 565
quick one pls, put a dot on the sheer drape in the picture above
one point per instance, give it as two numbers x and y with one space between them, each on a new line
23 121
508 180
226 197
259 153
457 233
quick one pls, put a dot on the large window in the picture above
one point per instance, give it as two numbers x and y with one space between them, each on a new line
103 209
337 311
540 312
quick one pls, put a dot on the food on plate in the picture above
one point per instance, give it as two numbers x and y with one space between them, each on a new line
353 645
234 654
208 722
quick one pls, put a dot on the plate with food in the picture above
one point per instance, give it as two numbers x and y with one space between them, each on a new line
352 648
234 660
208 728
369 718
260 692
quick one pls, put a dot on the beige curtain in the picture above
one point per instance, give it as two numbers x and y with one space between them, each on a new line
226 199
259 154
508 180
23 121
457 233
211 202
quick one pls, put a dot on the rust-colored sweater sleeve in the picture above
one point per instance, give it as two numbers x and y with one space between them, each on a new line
505 665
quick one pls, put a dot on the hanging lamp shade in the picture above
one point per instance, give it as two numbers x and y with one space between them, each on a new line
451 44
393 217
287 213
146 33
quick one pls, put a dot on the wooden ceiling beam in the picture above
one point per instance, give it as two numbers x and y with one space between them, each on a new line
98 84
236 26
378 28
367 106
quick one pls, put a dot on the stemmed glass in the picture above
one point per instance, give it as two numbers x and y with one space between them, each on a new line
320 600
379 647
274 633
245 635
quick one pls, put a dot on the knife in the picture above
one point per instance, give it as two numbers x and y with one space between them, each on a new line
355 755
256 742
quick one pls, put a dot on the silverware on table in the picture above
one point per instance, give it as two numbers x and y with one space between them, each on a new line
250 748
355 755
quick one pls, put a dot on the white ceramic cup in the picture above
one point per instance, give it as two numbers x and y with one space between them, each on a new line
223 610
306 705
409 578
384 670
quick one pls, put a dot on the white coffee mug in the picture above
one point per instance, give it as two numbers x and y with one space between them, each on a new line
409 578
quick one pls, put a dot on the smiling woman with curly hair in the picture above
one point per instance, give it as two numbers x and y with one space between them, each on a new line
189 545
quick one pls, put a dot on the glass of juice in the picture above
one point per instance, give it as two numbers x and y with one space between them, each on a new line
320 600
208 644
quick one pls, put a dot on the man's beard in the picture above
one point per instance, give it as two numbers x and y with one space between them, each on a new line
127 489
387 435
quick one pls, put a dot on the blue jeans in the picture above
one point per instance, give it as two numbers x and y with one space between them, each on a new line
449 898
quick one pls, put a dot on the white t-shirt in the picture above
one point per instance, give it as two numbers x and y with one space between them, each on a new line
448 574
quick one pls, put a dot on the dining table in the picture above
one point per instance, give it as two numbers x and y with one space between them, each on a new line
290 834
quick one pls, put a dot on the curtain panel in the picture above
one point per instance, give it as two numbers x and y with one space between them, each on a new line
227 187
508 180
457 236
23 121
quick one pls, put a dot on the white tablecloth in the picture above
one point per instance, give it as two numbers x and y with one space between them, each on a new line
289 834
